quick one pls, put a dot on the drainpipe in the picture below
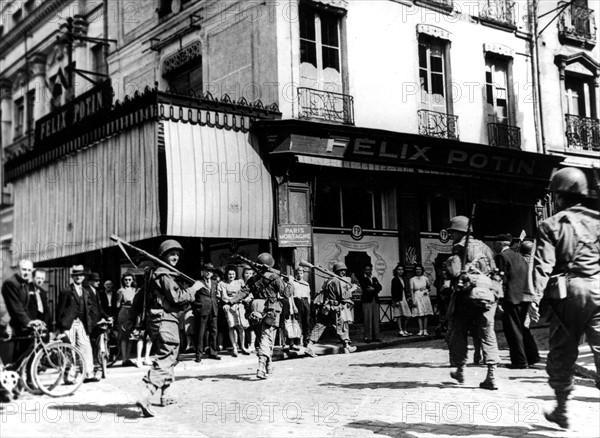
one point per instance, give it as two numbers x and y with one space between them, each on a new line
535 69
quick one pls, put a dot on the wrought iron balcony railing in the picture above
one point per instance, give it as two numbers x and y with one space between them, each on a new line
443 4
499 11
505 136
325 105
578 24
583 133
436 124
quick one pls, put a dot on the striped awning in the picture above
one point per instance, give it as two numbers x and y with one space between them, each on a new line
217 183
75 204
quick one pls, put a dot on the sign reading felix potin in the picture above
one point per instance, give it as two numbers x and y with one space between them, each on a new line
74 114
294 236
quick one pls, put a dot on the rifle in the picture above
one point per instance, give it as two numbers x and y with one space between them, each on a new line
327 272
258 267
463 262
149 256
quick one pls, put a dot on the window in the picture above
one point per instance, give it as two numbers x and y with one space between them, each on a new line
190 79
496 90
167 7
19 117
16 17
30 110
432 73
99 61
578 96
435 212
345 206
320 55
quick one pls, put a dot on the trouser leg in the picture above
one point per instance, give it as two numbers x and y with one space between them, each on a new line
531 349
512 324
80 339
161 374
487 334
368 320
458 343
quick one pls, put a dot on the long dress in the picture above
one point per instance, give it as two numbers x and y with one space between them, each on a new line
124 300
419 287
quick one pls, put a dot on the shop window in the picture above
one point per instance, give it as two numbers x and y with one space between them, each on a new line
346 206
19 118
436 211
320 53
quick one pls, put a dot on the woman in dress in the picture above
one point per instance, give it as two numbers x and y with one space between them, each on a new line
231 293
421 304
400 309
124 300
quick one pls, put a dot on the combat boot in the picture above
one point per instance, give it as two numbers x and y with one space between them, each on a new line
459 374
143 400
348 348
559 414
261 373
490 381
270 366
166 397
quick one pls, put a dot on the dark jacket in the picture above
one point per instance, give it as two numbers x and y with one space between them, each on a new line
515 270
15 292
32 308
206 299
68 302
109 308
398 287
369 295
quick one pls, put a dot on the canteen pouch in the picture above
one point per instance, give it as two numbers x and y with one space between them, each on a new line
556 289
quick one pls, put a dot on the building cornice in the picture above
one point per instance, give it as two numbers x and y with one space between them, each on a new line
29 23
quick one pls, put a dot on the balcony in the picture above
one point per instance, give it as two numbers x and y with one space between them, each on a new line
435 124
583 133
504 136
498 12
442 5
325 105
577 26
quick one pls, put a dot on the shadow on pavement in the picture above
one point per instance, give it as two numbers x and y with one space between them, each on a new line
395 385
399 365
586 399
128 410
445 429
219 377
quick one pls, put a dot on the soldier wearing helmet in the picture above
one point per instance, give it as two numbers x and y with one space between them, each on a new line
566 271
462 314
334 308
166 307
268 289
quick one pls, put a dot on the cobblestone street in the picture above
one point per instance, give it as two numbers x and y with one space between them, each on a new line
399 391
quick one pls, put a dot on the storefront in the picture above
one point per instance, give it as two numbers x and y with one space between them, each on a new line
380 197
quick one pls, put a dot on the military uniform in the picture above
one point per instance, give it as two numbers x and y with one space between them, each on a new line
334 308
267 289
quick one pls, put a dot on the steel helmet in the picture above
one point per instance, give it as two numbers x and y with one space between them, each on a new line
569 180
459 223
266 259
168 245
340 266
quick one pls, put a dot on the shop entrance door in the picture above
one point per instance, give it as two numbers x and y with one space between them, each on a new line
356 262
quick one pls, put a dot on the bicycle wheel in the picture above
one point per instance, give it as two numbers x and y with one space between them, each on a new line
58 369
25 373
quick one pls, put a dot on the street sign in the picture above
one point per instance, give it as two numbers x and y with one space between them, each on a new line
294 236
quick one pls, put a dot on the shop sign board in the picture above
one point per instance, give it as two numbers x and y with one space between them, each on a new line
294 236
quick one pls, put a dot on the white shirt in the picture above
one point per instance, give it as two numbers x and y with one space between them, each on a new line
301 289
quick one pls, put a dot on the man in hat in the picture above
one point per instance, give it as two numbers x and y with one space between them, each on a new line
334 308
206 311
517 299
75 317
15 291
465 315
97 313
566 271
38 302
167 301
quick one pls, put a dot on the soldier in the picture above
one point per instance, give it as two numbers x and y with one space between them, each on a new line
166 306
267 288
566 271
465 313
334 308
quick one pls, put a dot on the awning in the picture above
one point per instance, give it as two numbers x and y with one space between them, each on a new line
217 184
74 204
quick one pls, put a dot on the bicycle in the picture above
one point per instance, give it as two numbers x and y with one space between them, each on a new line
107 348
53 368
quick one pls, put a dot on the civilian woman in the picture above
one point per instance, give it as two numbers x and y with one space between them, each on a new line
400 309
419 289
124 300
232 294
